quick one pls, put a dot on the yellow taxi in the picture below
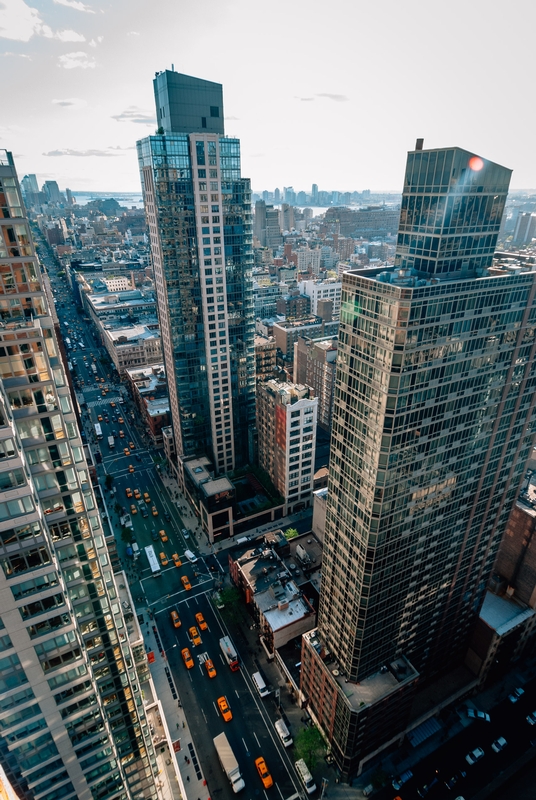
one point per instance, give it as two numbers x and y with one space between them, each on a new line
187 658
194 635
146 497
210 668
175 619
128 492
126 451
186 582
99 418
154 511
225 710
132 445
176 560
131 467
164 559
137 494
201 621
133 509
121 434
163 535
265 776
120 420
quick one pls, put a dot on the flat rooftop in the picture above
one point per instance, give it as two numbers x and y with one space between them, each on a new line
502 614
131 333
382 683
197 470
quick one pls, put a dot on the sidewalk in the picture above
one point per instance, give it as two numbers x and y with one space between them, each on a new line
191 783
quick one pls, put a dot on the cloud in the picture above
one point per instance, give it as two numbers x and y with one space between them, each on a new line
96 42
118 147
338 98
19 22
78 60
133 33
71 102
82 153
232 118
305 99
17 55
75 4
135 114
70 36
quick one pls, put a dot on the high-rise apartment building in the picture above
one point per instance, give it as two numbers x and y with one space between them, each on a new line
432 426
198 210
286 427
72 719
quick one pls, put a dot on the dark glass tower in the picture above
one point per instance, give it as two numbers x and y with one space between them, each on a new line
432 427
199 215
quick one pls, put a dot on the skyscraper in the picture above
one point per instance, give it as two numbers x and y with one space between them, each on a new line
199 214
433 423
72 720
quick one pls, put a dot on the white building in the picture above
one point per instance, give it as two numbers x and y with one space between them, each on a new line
131 346
309 260
118 283
322 290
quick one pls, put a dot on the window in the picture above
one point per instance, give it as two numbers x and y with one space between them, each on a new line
214 112
203 123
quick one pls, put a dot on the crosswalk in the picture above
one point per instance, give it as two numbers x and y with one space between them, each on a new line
104 401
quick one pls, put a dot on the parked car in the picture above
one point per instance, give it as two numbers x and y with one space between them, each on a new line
499 744
474 756
473 713
531 718
516 694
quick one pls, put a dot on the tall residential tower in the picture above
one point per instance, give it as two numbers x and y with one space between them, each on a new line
72 719
199 215
432 426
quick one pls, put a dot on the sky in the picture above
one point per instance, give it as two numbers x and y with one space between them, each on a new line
333 93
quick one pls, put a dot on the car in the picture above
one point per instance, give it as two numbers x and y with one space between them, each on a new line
187 658
164 559
112 404
175 619
128 492
185 533
499 744
137 494
132 445
423 791
176 560
121 434
451 783
154 511
131 468
400 780
167 515
516 694
133 509
126 451
473 713
103 393
531 718
121 421
194 635
186 582
225 709
474 756
210 668
137 457
99 418
163 536
146 497
201 621
143 509
265 776
154 535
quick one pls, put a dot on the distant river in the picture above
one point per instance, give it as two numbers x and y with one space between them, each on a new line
127 199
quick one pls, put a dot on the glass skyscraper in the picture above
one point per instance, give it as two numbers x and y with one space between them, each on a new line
433 424
198 210
72 721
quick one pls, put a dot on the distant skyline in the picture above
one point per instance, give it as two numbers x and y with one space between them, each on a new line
334 95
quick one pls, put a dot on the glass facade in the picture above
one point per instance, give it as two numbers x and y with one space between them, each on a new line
433 423
67 681
199 215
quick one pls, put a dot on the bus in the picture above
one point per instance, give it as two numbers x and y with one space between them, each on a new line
98 430
153 561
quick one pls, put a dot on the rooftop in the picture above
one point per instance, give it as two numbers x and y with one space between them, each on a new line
217 486
125 334
382 683
502 614
197 469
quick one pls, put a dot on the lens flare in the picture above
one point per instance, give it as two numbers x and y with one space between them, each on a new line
476 163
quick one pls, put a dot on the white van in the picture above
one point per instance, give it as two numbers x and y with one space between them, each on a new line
283 733
190 556
260 684
306 777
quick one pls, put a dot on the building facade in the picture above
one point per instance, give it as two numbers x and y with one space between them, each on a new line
315 365
71 711
286 427
433 423
199 216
